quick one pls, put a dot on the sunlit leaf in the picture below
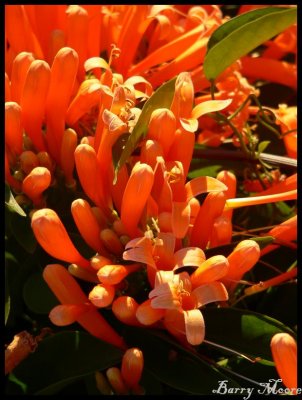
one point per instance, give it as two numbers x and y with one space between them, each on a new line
11 203
263 145
161 98
242 34
62 358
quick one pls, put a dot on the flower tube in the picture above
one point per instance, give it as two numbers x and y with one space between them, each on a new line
53 237
68 291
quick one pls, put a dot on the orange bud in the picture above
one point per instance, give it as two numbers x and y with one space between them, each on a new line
213 269
98 262
222 231
28 161
68 291
53 237
150 150
147 315
20 67
114 274
102 295
13 127
245 255
111 241
284 351
63 75
86 223
86 164
100 216
118 227
137 191
182 149
8 94
67 314
116 381
77 34
35 183
162 127
102 383
33 101
124 308
69 144
211 208
82 273
45 161
132 366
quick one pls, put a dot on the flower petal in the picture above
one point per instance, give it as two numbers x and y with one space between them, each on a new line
211 270
209 293
189 256
195 327
203 184
180 218
210 106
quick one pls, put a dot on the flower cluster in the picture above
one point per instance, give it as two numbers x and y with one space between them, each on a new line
66 110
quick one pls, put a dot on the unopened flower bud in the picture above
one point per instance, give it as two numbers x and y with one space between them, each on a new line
116 381
102 295
124 308
284 351
132 366
67 314
28 161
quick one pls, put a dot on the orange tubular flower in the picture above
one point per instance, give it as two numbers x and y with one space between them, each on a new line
136 192
13 127
86 223
20 67
284 351
124 308
116 381
245 255
53 237
69 144
35 92
63 75
36 182
68 292
286 233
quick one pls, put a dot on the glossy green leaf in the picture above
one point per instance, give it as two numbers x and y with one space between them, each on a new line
62 358
161 98
244 331
243 34
11 203
37 295
171 364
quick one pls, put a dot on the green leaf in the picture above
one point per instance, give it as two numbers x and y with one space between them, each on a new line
37 295
263 145
61 359
7 299
21 229
161 98
244 331
243 34
173 365
11 203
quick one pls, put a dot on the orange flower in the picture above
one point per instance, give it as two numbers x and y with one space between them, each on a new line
136 192
36 182
174 292
132 366
53 237
284 351
68 292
